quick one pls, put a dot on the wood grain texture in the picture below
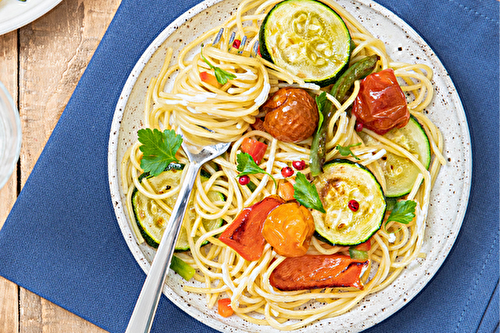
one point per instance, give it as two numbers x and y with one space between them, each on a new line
9 318
41 64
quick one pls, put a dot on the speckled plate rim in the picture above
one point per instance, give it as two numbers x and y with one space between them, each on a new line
424 272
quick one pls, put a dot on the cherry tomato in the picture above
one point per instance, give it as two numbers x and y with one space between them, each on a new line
287 172
381 104
299 165
289 228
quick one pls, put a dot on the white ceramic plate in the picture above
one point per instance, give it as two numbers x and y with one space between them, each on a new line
449 196
14 13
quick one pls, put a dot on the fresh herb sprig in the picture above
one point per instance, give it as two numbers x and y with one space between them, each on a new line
346 150
306 193
158 149
247 166
403 212
221 75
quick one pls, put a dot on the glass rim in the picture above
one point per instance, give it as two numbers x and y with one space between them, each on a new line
15 147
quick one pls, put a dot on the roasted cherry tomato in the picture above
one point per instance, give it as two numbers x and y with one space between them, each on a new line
291 115
289 228
381 104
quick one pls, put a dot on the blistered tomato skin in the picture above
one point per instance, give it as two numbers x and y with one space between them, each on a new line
381 104
289 228
291 115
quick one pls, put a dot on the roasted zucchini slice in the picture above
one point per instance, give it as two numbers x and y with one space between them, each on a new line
354 203
306 38
399 172
152 219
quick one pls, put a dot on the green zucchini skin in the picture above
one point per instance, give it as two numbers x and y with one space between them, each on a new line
413 135
172 167
265 49
360 230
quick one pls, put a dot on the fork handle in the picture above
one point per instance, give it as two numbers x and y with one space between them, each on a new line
145 308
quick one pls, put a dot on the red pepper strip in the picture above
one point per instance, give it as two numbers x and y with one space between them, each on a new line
318 271
255 148
381 103
209 79
244 234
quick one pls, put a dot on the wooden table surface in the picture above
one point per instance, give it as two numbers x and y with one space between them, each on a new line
40 64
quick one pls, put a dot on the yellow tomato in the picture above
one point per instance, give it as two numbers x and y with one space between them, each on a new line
289 228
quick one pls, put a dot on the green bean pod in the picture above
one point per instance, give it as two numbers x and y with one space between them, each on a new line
339 90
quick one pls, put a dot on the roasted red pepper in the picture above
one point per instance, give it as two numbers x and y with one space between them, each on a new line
244 234
318 271
381 104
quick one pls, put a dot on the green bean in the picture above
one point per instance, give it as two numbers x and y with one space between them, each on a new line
339 90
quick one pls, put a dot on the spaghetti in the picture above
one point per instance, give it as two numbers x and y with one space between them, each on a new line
228 111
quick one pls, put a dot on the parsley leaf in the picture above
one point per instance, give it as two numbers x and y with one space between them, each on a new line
346 151
221 75
158 149
403 212
320 103
247 166
306 193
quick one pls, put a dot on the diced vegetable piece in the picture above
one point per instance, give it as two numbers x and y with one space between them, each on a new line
286 191
358 254
244 234
381 104
306 38
152 219
341 182
255 148
289 228
400 173
318 271
182 268
224 307
210 79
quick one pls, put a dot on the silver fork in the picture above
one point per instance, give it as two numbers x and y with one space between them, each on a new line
145 308
198 154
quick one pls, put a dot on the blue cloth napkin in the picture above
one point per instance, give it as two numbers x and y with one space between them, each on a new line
61 239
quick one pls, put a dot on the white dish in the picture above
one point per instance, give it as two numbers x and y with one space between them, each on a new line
448 199
14 13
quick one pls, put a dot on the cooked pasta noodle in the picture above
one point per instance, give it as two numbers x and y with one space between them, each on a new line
192 106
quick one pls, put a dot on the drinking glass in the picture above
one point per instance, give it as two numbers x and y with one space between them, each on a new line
10 135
